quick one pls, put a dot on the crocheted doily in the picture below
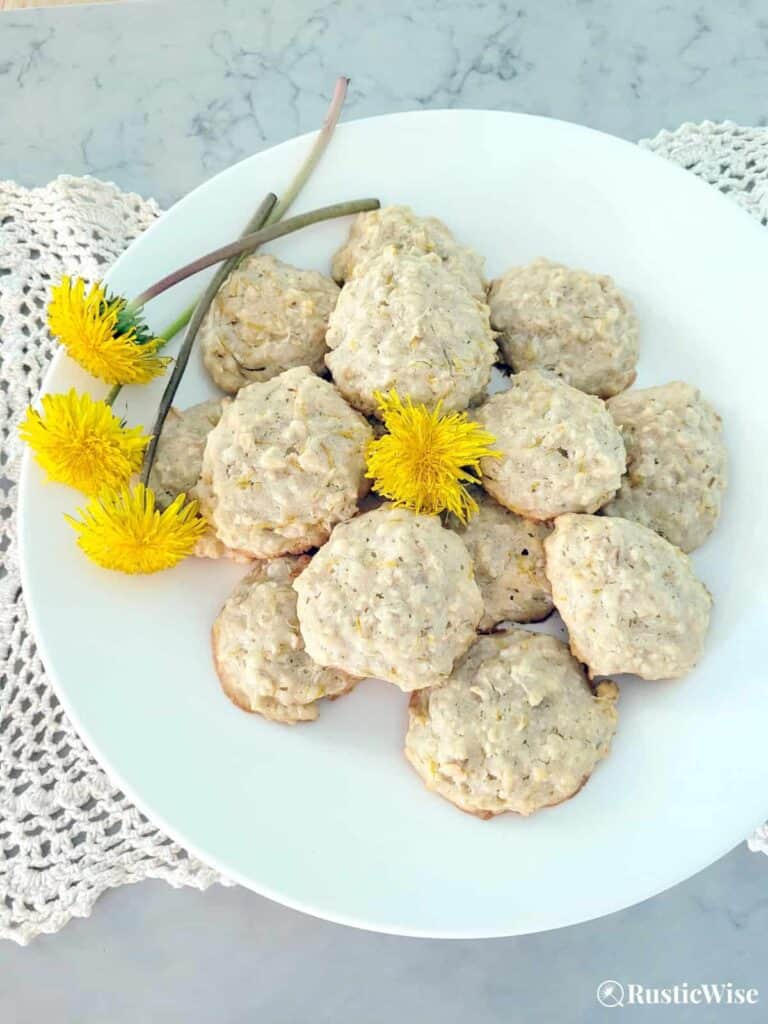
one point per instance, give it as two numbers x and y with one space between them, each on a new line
66 832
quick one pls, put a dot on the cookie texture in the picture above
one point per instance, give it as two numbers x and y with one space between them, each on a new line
561 450
267 317
507 554
285 463
179 456
404 322
400 227
571 322
630 599
516 727
178 465
392 594
676 462
259 653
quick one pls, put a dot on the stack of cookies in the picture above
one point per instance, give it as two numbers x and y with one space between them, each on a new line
591 507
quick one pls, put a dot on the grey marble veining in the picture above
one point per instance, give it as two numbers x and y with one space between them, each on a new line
159 96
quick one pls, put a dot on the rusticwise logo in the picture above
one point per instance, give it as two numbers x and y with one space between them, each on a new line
616 993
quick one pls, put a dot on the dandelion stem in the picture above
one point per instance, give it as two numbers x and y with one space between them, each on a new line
270 212
279 209
261 228
247 243
253 240
199 310
313 157
173 329
170 332
290 195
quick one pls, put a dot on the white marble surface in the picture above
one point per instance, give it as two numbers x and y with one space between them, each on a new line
152 954
158 97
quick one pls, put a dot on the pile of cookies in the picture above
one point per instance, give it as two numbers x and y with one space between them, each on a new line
598 495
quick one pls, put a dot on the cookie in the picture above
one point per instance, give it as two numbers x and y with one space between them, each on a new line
178 464
573 323
399 226
560 449
676 462
285 463
392 595
515 728
179 456
258 650
267 317
404 322
630 599
508 559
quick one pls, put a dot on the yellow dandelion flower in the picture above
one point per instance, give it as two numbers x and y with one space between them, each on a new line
103 333
123 530
426 458
80 442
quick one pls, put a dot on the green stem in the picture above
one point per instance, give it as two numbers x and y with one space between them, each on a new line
279 209
199 310
170 332
270 211
173 329
252 241
230 252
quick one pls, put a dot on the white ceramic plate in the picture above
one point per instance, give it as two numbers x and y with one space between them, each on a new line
329 818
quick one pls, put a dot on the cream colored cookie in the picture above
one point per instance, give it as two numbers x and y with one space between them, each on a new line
573 323
284 465
400 227
676 462
178 462
404 322
390 595
516 727
267 317
258 650
179 456
630 599
209 546
561 451
508 558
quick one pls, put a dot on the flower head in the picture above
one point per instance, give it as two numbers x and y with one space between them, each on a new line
102 333
123 530
425 459
80 442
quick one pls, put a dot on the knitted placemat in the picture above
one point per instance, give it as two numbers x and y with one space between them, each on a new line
66 832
